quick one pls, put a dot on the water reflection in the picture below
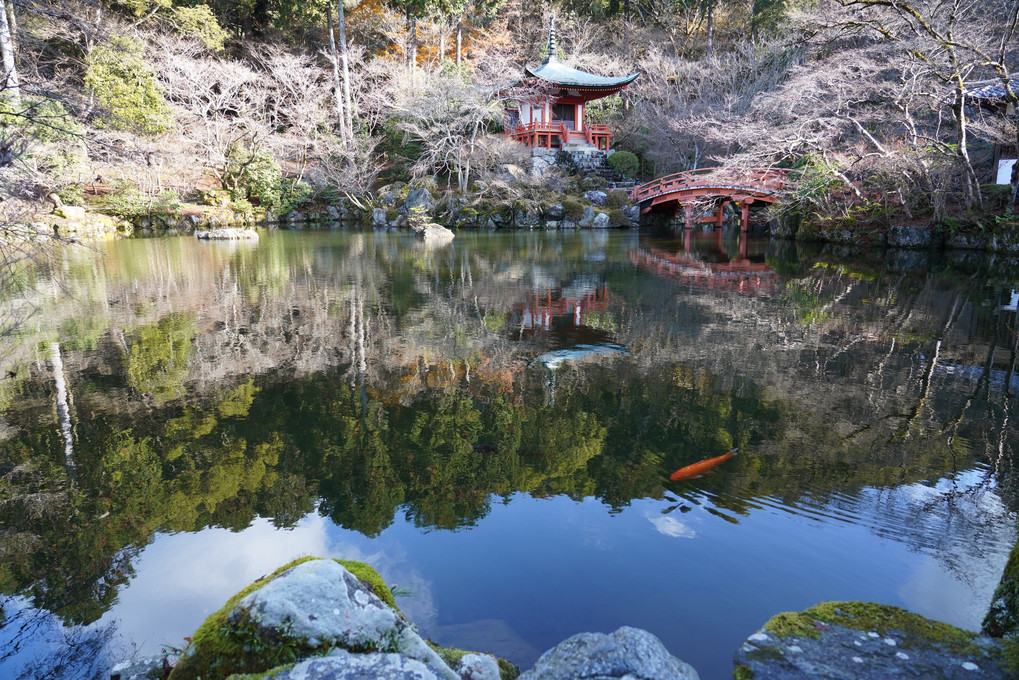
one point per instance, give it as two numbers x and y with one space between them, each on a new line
429 402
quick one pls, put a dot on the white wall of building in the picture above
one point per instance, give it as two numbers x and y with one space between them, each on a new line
1005 170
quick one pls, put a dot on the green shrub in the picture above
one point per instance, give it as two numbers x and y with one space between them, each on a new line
418 217
617 199
41 119
72 194
140 8
121 81
293 195
617 218
573 209
127 202
241 206
427 182
199 23
625 163
253 176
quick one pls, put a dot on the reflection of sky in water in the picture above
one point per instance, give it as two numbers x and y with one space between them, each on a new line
535 571
183 578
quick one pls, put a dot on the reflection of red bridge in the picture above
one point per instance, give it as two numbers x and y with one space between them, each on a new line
716 186
739 276
541 310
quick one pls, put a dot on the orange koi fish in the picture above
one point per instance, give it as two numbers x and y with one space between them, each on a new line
695 470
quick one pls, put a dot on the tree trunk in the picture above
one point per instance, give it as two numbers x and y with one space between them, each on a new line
12 22
9 82
961 134
459 40
626 11
412 40
442 43
348 108
710 48
337 91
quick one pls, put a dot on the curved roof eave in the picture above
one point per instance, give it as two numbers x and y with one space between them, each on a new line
560 74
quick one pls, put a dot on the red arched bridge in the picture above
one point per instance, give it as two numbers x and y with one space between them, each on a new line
714 187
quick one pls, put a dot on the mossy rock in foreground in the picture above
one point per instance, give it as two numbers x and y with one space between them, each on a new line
229 641
865 640
1002 619
304 611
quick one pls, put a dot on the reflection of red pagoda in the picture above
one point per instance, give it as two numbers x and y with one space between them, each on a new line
560 309
739 275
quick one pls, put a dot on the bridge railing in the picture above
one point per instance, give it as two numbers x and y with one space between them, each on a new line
761 179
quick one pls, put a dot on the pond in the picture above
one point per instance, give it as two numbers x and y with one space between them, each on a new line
494 425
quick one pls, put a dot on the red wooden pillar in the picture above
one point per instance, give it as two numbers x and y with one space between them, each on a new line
720 215
687 216
744 219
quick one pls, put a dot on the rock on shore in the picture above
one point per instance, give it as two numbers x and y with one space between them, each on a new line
625 654
310 609
231 234
866 641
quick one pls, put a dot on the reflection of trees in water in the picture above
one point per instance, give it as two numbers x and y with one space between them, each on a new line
34 642
378 379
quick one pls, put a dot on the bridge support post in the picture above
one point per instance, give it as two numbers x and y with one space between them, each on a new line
687 216
744 218
720 215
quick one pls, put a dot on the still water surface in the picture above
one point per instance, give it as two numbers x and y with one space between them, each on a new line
492 425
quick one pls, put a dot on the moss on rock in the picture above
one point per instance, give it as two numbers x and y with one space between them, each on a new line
370 578
870 616
210 645
221 646
246 641
1002 617
742 673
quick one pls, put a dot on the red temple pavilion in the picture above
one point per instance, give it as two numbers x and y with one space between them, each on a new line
556 120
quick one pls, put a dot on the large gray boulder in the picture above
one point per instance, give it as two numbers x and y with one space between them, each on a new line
323 604
527 216
434 234
70 212
914 236
601 221
632 214
477 667
302 611
342 665
588 217
150 668
540 165
227 234
419 198
629 653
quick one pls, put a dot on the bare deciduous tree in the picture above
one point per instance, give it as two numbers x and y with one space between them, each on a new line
448 116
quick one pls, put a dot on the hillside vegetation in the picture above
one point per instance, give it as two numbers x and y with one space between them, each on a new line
143 106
